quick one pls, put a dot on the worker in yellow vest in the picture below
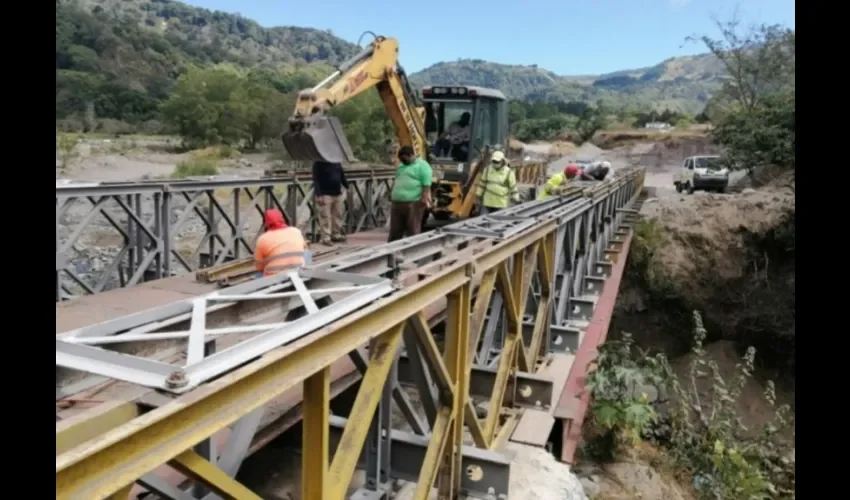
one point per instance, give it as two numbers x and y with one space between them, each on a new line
558 180
497 186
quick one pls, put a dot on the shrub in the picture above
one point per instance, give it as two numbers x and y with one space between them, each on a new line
66 147
709 440
700 431
195 167
620 411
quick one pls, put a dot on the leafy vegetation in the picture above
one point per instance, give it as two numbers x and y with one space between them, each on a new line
754 111
579 120
700 430
621 414
118 60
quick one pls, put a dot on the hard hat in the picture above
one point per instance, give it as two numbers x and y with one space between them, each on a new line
571 170
497 156
605 164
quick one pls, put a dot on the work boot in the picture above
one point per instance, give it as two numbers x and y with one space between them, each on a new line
339 238
326 241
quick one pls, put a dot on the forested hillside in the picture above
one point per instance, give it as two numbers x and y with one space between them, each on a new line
161 66
682 83
119 59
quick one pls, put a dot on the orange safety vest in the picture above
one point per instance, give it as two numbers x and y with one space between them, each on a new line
279 250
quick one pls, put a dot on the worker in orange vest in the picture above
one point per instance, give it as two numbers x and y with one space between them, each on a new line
281 248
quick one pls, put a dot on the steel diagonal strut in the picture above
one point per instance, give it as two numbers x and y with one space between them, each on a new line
199 368
458 267
145 217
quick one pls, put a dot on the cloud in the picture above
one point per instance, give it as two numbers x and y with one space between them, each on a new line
679 3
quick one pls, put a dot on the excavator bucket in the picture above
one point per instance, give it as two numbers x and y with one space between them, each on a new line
318 139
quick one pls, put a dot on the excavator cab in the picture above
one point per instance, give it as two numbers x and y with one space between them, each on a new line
461 121
463 124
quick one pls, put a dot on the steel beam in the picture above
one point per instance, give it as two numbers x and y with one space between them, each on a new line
408 452
524 268
534 391
154 439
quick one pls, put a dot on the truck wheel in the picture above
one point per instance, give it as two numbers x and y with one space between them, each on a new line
678 187
689 187
721 189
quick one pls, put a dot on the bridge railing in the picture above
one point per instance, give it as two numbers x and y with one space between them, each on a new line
112 235
516 286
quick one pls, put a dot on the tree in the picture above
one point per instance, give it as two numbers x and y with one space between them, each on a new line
593 120
754 113
759 60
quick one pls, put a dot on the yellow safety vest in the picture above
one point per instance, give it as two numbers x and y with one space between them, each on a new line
498 186
553 182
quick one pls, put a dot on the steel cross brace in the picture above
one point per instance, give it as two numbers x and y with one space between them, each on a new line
532 391
492 468
73 353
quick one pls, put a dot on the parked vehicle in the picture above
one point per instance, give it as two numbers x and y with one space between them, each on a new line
702 173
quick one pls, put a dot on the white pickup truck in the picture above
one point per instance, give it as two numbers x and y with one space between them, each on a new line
702 173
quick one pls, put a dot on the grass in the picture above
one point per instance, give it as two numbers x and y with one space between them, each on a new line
195 167
203 162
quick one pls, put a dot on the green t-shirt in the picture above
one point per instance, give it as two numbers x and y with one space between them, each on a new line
410 179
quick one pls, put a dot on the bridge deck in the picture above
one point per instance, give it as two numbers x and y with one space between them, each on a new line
92 309
88 310
542 264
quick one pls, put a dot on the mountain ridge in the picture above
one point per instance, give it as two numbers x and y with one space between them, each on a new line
123 57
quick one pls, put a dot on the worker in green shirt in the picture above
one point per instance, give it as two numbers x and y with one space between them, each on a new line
411 194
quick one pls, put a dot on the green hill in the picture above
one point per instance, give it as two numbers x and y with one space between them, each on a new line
118 60
680 83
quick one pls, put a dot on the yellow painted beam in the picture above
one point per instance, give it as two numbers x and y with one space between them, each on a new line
122 494
199 469
503 282
316 434
541 319
434 454
457 342
430 350
382 354
92 423
124 454
474 425
479 312
505 432
507 364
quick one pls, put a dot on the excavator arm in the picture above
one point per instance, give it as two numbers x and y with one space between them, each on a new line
313 135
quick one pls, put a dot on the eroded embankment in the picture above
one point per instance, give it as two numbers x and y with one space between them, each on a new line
730 256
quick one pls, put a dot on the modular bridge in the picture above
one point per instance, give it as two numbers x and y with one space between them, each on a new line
489 323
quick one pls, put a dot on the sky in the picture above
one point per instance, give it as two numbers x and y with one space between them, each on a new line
569 37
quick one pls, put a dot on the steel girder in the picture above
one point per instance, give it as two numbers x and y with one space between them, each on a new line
508 302
145 220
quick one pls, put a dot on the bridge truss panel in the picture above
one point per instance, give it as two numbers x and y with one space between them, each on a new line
510 301
145 221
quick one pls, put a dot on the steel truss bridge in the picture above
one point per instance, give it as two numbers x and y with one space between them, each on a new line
493 321
147 219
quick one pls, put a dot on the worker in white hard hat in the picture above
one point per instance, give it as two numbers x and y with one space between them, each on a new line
497 186
596 171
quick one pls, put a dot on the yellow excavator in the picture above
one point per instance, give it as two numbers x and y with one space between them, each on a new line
314 135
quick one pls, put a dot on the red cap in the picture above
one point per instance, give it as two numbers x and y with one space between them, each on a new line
571 170
274 219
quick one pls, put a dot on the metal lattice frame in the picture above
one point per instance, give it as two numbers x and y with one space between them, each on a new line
510 301
144 219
